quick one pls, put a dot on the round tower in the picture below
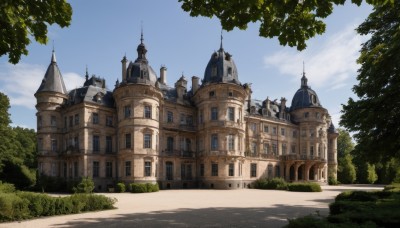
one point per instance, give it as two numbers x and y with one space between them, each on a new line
332 151
313 120
50 96
221 129
138 100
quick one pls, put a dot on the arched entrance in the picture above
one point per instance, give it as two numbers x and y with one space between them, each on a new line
291 172
311 174
300 173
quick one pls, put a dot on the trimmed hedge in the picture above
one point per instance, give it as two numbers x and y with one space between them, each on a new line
26 205
274 183
304 187
6 187
143 187
120 187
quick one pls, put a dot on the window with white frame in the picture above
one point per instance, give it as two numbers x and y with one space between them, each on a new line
231 113
214 142
147 141
231 142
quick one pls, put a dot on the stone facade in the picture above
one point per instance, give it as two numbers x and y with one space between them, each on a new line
212 136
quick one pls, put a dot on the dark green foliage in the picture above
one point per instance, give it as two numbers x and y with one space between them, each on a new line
356 196
6 187
120 187
375 115
143 187
304 187
309 221
333 181
274 183
346 170
23 20
25 205
395 187
86 185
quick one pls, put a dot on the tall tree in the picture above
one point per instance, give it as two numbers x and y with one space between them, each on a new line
375 116
346 169
7 145
292 21
20 19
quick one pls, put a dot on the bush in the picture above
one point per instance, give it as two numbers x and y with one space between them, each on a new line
144 187
333 181
357 196
274 183
395 187
85 186
6 187
120 187
304 187
25 205
309 221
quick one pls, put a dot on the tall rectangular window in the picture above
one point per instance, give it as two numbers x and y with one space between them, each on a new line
231 114
71 121
253 147
311 150
283 131
182 119
95 118
202 170
214 169
253 127
266 148
170 117
76 142
96 143
169 166
214 113
127 111
109 121
76 169
76 119
96 169
253 170
274 131
294 134
170 144
231 142
147 111
54 145
147 168
147 141
214 142
108 144
108 169
128 141
53 121
284 148
274 148
128 168
293 148
231 169
266 128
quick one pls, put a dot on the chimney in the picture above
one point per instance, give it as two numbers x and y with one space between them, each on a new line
195 84
124 61
180 86
283 108
163 75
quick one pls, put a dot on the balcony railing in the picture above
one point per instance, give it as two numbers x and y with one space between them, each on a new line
179 153
262 155
294 157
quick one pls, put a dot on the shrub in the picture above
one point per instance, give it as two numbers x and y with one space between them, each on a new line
6 187
138 188
332 180
13 207
120 187
304 187
309 221
356 196
85 186
274 183
144 187
394 187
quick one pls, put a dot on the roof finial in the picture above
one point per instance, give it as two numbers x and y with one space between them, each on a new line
141 33
304 78
221 48
87 73
53 55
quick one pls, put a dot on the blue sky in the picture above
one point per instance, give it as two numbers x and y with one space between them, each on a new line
102 31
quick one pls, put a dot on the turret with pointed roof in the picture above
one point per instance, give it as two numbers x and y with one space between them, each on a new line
53 81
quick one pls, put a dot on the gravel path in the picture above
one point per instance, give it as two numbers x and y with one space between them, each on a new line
201 208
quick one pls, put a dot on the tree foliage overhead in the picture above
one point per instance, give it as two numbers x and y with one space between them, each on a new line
292 21
375 116
20 19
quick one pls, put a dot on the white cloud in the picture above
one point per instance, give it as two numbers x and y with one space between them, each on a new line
20 82
329 64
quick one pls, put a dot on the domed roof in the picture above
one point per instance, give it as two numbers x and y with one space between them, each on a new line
221 68
140 71
305 97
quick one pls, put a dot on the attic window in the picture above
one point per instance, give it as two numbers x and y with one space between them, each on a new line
212 93
230 94
313 99
253 110
229 70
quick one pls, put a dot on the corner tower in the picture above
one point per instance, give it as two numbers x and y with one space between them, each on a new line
50 96
221 129
138 100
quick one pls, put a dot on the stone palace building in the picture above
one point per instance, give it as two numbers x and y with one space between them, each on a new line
214 135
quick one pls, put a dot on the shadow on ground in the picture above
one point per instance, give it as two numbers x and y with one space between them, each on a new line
206 217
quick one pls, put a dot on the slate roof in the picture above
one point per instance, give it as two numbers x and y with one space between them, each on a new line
52 80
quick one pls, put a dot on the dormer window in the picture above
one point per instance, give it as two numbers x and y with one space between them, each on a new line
253 110
306 115
313 99
230 71
230 94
